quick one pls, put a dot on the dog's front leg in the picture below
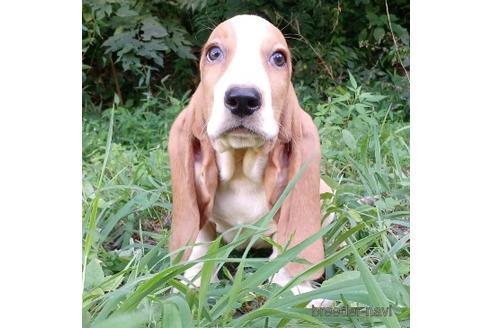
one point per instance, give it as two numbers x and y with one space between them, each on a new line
205 236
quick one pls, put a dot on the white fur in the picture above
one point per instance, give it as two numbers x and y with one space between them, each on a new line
246 69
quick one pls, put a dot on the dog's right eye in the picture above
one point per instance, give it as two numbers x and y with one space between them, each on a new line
214 54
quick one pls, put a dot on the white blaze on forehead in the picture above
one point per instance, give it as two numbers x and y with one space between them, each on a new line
247 68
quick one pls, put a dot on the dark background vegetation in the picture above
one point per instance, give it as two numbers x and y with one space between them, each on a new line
351 74
142 49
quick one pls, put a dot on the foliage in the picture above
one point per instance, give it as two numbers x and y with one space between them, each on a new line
137 48
129 277
129 36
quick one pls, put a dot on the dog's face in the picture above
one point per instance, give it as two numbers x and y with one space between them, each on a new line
245 74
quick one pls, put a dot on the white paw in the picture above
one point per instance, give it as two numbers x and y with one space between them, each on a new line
282 278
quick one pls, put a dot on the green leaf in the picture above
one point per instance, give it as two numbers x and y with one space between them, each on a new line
349 139
207 272
354 215
352 81
110 283
236 287
269 312
184 310
125 320
86 318
94 274
369 97
152 29
125 11
378 34
170 316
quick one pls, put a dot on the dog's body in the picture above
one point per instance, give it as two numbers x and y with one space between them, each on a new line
239 142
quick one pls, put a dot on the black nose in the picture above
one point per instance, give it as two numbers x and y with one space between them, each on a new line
242 101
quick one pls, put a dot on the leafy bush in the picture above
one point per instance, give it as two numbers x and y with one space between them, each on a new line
131 36
136 48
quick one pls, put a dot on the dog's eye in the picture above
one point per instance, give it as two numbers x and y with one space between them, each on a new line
214 54
277 59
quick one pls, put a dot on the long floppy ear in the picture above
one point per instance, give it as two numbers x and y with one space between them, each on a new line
299 216
193 175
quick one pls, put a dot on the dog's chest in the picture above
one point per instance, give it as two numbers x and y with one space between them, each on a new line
240 197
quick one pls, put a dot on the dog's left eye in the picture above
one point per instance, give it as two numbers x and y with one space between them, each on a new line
278 59
214 54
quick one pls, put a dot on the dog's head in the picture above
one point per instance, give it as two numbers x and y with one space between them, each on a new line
245 71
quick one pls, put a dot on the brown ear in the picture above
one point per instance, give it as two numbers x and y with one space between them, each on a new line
300 214
192 191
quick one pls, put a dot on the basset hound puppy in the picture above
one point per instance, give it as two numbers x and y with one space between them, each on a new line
238 143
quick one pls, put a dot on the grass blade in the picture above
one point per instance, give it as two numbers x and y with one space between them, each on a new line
376 295
92 219
327 261
242 321
207 272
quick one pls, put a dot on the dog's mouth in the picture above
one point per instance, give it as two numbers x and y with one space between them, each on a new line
241 130
239 136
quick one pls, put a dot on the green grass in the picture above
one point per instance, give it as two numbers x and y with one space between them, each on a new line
128 275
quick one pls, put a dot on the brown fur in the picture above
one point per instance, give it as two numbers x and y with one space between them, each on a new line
296 143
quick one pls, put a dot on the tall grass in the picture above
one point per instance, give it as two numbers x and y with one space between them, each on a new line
129 277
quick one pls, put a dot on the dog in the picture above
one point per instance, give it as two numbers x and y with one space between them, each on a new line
238 143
